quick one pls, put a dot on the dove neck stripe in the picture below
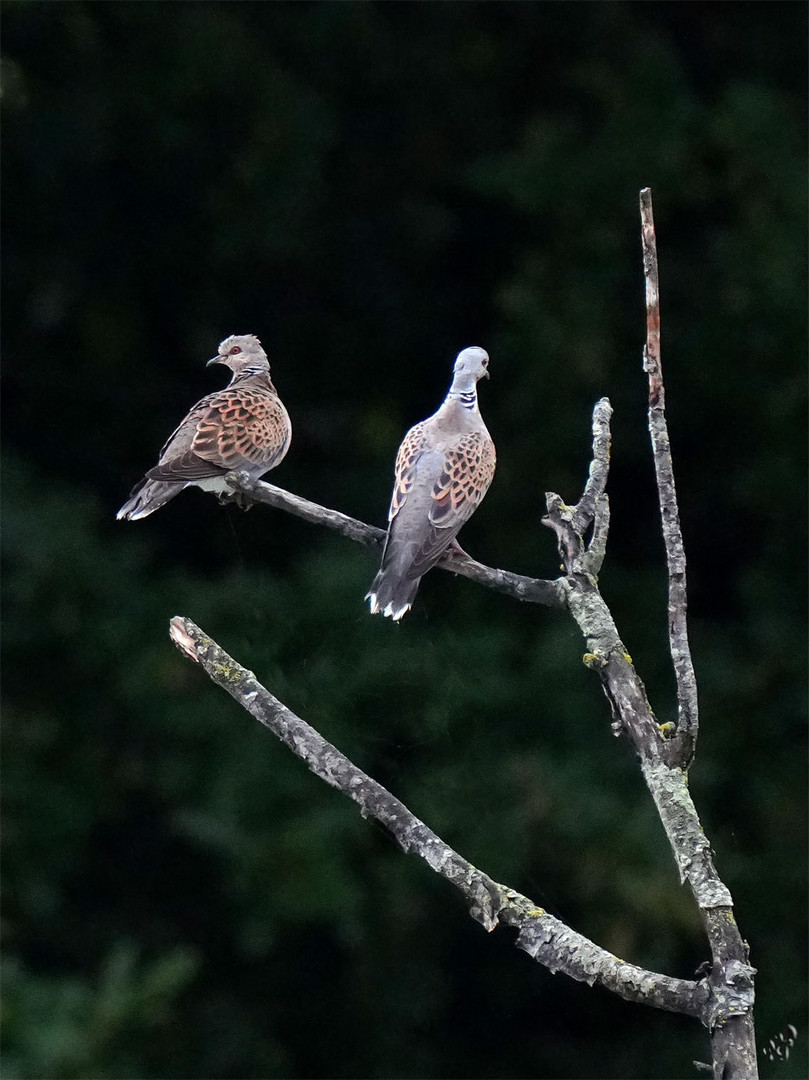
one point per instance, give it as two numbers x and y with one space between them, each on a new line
250 373
467 398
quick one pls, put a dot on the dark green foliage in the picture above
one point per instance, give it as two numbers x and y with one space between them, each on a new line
370 188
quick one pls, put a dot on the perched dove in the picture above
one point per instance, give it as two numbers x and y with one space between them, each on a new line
443 469
244 427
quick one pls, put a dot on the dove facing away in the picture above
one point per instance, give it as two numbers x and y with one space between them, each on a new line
243 428
443 469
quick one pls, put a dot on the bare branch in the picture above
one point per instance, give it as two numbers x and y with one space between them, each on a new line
599 467
260 491
456 561
688 710
542 936
593 558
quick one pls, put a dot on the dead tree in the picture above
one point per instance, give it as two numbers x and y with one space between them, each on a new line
722 998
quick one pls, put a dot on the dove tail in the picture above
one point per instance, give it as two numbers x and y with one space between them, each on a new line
392 591
146 497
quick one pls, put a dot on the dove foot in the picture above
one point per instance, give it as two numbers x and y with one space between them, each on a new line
239 481
236 498
454 550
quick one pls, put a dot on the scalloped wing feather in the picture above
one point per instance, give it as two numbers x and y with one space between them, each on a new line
225 431
465 477
463 481
411 449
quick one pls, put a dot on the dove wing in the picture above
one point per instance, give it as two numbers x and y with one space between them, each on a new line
465 474
226 431
436 491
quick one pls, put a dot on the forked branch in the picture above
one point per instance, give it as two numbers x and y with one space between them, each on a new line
724 1000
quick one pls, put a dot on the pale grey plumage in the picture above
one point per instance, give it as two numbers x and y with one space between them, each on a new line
244 427
443 470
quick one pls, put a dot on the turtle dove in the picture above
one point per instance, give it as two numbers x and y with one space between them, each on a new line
244 427
443 469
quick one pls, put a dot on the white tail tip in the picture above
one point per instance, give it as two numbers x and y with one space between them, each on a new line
388 611
398 613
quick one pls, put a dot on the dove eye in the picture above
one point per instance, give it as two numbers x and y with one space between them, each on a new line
234 350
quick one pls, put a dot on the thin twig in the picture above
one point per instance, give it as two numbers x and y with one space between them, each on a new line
688 709
456 561
314 513
542 936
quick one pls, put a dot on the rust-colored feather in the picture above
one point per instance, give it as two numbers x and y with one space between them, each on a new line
409 453
243 426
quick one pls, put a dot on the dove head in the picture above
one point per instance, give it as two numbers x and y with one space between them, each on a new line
242 353
470 365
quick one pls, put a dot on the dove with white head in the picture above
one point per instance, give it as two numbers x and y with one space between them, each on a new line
443 469
243 428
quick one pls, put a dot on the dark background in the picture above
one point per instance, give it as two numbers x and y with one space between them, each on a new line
371 187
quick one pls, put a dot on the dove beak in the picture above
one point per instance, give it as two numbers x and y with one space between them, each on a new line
215 360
